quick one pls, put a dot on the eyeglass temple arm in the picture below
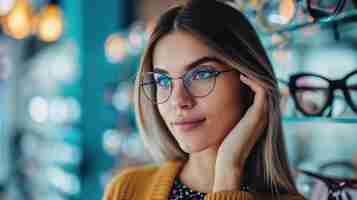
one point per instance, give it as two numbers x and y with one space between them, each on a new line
286 82
352 87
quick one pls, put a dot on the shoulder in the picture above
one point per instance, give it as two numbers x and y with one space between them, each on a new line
128 181
129 172
124 180
145 171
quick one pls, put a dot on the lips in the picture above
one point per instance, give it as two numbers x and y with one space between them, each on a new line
189 124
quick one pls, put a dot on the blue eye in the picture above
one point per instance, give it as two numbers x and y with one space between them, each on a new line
162 81
203 74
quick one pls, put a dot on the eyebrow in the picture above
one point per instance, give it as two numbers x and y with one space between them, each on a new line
193 64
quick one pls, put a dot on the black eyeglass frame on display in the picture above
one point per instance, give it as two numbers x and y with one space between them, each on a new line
333 85
335 185
318 13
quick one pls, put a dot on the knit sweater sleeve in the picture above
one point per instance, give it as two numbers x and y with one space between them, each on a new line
229 195
242 195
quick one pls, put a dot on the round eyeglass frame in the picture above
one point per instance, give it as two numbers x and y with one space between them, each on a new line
217 73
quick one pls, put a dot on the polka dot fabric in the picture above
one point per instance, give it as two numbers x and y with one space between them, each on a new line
180 191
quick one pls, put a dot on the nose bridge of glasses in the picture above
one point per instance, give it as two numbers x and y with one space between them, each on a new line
338 85
338 89
181 86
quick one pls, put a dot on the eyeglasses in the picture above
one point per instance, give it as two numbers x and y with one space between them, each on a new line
198 82
313 93
323 187
277 14
243 5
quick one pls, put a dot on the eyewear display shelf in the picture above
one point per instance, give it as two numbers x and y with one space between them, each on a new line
345 120
345 17
327 22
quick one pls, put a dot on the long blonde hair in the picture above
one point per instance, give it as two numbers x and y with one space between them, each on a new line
231 35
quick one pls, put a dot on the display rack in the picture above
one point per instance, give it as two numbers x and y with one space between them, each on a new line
345 17
319 119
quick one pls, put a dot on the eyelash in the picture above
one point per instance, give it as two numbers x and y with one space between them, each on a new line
203 68
196 73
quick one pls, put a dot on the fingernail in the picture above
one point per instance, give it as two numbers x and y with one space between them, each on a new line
243 77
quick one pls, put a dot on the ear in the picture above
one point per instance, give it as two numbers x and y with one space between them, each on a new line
247 96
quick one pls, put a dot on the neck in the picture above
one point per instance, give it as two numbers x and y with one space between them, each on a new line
198 172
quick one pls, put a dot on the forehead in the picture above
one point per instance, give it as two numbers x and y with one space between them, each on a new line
175 51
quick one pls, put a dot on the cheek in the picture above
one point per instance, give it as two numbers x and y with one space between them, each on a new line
164 112
224 106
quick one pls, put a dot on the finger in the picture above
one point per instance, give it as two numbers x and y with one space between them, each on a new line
259 91
253 84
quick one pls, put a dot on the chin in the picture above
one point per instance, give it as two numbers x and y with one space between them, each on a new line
192 148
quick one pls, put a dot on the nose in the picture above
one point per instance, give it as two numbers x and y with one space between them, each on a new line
180 96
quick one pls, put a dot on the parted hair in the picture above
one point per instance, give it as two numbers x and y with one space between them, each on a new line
229 33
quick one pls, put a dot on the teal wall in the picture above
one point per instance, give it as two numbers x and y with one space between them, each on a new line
89 22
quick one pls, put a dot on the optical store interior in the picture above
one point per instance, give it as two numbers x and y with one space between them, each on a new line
67 120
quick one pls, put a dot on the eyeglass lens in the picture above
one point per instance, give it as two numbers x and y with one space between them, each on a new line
312 94
351 83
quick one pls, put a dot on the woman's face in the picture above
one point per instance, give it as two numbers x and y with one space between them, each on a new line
217 113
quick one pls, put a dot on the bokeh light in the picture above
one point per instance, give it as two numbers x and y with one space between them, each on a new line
50 23
6 6
18 23
116 48
39 109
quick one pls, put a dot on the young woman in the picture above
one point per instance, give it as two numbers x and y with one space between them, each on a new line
207 105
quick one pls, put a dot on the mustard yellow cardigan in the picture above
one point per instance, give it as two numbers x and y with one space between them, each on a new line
152 182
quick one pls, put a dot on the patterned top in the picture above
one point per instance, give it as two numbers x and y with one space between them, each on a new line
180 191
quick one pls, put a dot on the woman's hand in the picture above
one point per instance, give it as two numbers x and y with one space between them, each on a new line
235 148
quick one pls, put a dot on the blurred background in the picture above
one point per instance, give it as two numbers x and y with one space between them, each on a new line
66 69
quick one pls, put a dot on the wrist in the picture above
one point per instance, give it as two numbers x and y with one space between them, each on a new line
237 162
227 180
